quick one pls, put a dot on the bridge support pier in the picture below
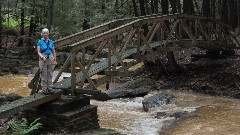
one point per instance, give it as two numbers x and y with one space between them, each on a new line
69 113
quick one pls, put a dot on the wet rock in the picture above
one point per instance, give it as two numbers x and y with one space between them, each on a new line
14 70
159 99
179 114
8 98
101 131
126 92
6 69
139 87
160 115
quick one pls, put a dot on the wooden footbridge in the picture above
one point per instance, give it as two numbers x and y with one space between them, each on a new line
140 38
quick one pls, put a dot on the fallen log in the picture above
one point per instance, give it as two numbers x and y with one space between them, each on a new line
139 87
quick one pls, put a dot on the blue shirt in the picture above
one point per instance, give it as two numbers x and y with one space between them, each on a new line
43 46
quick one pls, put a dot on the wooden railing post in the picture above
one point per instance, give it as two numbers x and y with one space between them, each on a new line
138 43
73 73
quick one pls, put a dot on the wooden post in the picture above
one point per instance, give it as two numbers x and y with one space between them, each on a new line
138 43
83 56
109 65
73 73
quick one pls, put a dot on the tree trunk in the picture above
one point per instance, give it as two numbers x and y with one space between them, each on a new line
116 6
206 8
22 23
232 15
188 7
173 5
142 7
1 27
143 13
224 11
164 4
31 28
179 6
147 7
103 6
213 8
50 14
135 8
238 12
154 6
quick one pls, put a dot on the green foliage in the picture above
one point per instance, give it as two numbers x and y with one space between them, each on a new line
11 22
22 128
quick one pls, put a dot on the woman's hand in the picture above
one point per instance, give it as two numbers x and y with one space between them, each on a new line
55 62
44 59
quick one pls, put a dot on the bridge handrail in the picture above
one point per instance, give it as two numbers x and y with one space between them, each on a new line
140 20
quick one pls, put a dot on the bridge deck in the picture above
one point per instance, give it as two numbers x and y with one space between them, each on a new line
26 103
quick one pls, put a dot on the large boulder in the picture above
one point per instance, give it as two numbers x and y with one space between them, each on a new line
161 98
8 98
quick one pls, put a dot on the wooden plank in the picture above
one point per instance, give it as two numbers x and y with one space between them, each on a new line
9 109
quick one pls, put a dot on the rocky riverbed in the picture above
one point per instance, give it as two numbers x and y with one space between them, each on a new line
187 112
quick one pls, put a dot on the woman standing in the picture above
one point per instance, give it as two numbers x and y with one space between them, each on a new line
47 61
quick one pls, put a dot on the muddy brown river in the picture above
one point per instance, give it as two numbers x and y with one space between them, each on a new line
209 115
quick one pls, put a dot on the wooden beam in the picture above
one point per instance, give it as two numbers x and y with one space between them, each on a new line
73 73
146 43
153 32
85 73
207 37
65 65
129 38
172 31
117 56
93 59
103 36
96 54
188 31
138 42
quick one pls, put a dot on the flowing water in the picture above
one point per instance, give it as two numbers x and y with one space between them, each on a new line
209 115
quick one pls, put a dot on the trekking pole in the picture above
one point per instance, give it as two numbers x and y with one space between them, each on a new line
39 80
